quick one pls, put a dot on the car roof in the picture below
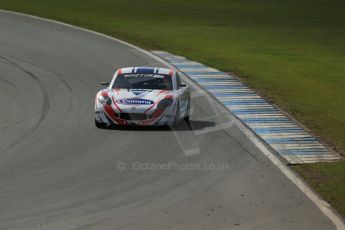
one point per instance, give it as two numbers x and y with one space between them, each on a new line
146 70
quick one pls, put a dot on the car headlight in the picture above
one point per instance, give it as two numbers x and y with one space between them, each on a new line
164 103
104 100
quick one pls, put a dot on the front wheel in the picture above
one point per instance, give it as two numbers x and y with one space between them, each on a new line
99 125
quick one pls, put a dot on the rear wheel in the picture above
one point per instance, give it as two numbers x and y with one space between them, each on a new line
187 117
177 116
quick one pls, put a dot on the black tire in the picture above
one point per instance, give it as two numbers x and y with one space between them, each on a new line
99 125
177 116
187 118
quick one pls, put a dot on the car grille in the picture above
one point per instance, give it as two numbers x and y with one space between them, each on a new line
134 116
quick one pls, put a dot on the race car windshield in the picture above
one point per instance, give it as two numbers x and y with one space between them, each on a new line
143 81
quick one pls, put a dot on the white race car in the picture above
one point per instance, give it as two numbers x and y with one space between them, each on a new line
144 96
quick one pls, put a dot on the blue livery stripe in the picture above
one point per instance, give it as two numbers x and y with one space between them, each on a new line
145 70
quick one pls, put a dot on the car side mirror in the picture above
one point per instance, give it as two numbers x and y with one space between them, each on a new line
183 84
105 83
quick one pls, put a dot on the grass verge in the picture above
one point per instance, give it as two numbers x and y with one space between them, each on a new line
328 180
292 51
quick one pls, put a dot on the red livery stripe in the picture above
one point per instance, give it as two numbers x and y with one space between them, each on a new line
111 113
116 105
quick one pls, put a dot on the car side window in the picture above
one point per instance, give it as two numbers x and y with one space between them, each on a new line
178 80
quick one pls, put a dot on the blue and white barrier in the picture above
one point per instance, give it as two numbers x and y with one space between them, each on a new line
285 136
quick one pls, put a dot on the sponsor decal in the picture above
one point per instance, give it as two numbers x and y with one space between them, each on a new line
138 92
149 75
127 101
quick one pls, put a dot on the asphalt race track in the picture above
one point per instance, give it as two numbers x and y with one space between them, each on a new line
58 171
